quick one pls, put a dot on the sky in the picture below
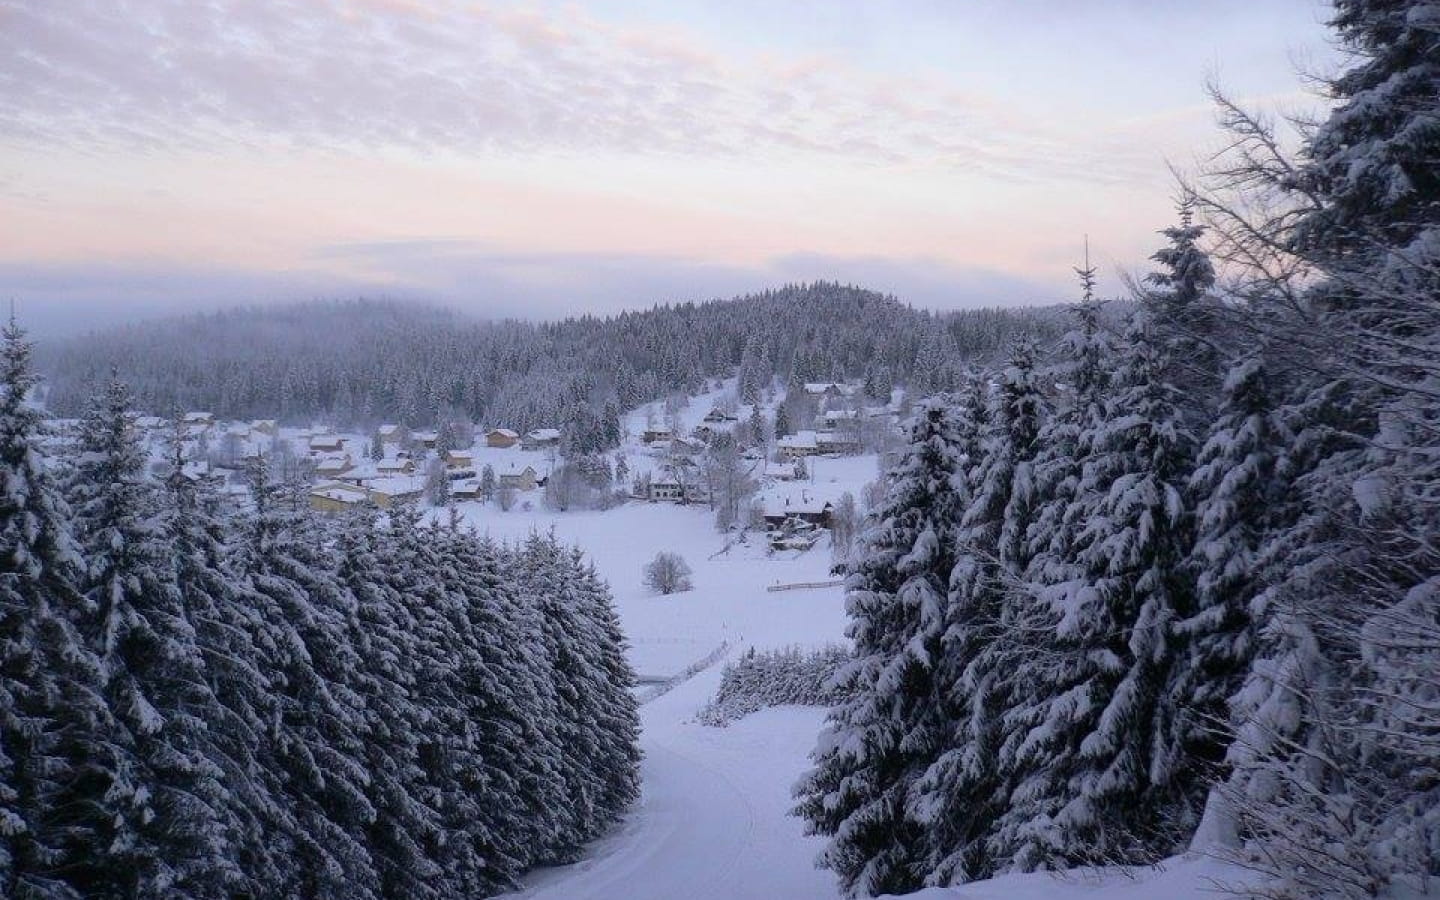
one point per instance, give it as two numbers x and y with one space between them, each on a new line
538 159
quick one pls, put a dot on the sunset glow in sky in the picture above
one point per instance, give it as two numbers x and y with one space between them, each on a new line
537 158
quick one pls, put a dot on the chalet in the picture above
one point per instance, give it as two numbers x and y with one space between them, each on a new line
333 465
426 439
199 419
392 434
805 508
466 489
657 434
459 459
831 389
501 437
836 442
390 492
517 477
336 496
267 427
395 465
326 443
831 418
797 445
780 471
541 438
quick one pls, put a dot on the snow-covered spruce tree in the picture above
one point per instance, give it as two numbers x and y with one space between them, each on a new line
1334 760
961 795
168 831
1103 773
1186 316
595 717
311 668
406 828
1066 442
505 691
473 850
618 749
882 739
1237 493
53 723
224 615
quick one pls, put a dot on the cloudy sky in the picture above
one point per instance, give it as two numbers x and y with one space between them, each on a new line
539 158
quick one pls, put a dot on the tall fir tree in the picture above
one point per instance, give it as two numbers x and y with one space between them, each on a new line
53 720
880 741
169 831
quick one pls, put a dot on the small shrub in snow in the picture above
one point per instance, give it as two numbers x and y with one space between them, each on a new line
775 678
668 573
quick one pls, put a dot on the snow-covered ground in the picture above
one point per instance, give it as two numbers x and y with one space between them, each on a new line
713 822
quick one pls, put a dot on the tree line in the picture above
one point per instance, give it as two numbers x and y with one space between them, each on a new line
205 701
1185 587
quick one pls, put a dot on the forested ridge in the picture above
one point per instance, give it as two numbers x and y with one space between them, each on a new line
361 362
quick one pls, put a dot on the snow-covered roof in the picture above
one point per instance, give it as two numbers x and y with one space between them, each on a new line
199 416
504 432
806 439
545 434
388 430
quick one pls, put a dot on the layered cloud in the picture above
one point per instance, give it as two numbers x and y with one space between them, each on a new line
481 78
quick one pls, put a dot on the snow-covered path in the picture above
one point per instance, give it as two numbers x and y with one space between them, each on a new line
712 821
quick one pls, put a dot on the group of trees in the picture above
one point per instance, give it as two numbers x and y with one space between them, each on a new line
763 678
421 366
202 702
1192 589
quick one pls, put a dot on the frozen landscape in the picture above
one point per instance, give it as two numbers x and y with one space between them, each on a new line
719 449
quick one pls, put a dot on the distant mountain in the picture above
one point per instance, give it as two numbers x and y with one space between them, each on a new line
360 362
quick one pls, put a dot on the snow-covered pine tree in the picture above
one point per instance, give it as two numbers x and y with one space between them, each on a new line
226 620
1185 315
1237 493
405 829
1106 778
53 722
168 831
305 616
891 728
1066 442
962 794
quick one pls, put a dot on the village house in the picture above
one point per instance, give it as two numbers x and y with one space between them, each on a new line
517 477
386 493
780 471
395 465
830 389
797 445
805 508
836 442
459 459
333 465
657 434
199 419
541 438
466 489
392 434
267 427
425 438
716 415
501 437
326 443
